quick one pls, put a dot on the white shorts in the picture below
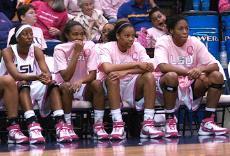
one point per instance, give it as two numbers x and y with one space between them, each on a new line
80 94
185 94
127 94
38 93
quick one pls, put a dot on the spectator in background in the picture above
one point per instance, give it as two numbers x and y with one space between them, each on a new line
26 15
110 8
91 19
73 8
51 17
137 11
108 27
224 5
159 28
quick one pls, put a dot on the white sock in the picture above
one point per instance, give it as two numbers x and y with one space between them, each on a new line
98 116
68 118
169 110
116 115
210 109
59 112
28 114
149 114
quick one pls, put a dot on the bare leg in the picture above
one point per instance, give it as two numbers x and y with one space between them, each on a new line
96 90
213 82
24 97
169 85
113 93
10 95
169 79
67 97
213 93
146 86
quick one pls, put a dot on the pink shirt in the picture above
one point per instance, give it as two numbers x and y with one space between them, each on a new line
47 17
192 54
38 39
110 7
224 5
110 53
152 35
87 60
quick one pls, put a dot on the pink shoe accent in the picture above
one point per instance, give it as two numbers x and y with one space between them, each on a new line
72 134
35 133
15 135
62 132
118 132
99 132
171 128
149 131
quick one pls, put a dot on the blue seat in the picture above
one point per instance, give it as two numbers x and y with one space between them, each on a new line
5 26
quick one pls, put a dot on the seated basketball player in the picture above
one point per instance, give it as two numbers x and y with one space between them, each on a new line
188 72
24 61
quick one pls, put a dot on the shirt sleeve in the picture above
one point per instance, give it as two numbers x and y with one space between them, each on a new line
92 60
60 62
204 57
104 56
144 57
161 53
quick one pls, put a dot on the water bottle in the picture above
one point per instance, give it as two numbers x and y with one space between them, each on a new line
196 5
223 56
205 5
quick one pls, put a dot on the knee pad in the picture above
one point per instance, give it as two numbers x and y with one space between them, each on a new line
24 85
216 86
169 88
53 85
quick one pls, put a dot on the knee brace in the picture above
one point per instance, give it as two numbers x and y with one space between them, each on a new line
53 85
169 88
216 86
24 85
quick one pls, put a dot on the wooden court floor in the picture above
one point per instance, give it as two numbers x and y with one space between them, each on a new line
192 146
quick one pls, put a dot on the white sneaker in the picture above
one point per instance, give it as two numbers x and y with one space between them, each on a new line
72 134
99 132
35 134
171 128
15 135
62 132
149 131
118 132
209 127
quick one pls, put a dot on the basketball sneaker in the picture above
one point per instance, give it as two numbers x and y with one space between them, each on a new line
15 135
149 130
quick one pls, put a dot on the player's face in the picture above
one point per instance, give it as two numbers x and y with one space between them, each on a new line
180 31
76 33
126 37
25 37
